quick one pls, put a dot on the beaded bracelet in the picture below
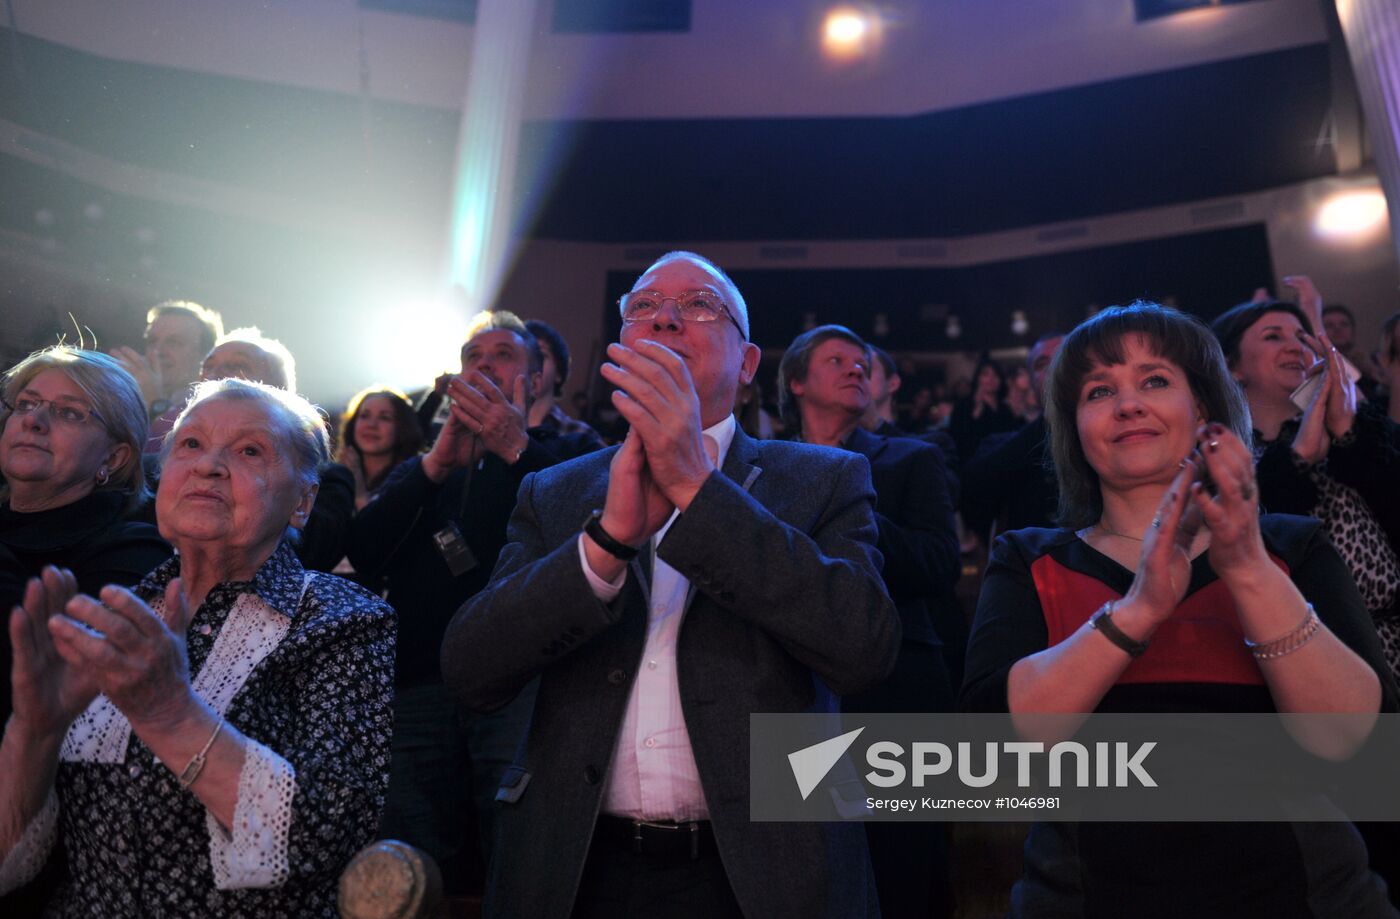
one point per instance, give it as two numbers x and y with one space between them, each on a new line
1305 632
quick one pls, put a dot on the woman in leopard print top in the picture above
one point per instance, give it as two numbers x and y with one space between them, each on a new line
1336 461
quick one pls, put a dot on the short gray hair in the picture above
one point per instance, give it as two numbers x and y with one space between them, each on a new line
738 310
295 422
281 365
115 396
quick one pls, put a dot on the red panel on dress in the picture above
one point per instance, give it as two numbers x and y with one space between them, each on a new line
1200 643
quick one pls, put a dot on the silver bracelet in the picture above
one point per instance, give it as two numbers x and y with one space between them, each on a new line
1305 632
196 763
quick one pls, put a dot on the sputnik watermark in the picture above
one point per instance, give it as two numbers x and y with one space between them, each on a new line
1114 765
1098 767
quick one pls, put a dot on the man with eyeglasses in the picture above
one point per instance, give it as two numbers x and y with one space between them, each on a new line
664 590
179 333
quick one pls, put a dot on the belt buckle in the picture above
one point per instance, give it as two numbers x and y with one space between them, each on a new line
692 827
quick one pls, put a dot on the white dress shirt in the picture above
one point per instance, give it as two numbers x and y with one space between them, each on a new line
653 774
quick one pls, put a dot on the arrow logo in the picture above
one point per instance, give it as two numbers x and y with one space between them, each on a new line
811 764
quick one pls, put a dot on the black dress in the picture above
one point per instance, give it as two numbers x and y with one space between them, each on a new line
1040 587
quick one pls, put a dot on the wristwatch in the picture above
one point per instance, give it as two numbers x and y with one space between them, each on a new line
593 526
1103 622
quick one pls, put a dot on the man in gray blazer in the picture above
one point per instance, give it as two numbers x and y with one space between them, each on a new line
716 576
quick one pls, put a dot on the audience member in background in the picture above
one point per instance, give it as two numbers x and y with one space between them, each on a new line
70 454
378 431
434 531
1388 359
178 335
1161 595
247 354
825 390
243 353
944 606
1340 325
1021 396
546 411
885 381
1009 478
214 742
983 412
1330 459
754 418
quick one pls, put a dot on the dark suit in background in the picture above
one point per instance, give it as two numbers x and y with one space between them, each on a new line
919 542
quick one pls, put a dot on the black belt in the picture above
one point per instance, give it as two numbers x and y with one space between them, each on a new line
647 838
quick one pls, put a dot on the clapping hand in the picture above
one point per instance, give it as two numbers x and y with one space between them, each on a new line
1231 509
135 657
1340 405
1164 568
499 422
49 691
1332 410
147 374
481 419
656 394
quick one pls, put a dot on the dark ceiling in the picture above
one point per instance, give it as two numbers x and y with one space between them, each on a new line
1140 142
1158 139
1150 140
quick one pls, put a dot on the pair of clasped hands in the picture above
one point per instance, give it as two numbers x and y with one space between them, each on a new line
482 420
1332 409
663 462
1214 489
1331 412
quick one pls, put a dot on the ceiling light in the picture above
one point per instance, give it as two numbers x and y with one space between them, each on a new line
849 33
1351 215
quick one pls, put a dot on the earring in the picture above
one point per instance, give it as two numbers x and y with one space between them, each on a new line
103 475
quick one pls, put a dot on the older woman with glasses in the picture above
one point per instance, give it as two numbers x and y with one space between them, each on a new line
70 453
214 742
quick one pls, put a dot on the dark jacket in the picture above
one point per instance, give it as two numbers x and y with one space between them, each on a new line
394 536
1008 479
788 610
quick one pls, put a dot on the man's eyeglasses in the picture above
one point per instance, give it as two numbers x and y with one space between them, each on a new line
692 305
70 413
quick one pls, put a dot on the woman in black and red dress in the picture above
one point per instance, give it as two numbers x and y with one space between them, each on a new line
1165 595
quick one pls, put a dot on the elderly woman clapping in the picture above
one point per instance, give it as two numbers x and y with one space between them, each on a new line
71 428
214 742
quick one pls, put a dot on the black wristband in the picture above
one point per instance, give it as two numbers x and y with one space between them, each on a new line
593 526
1103 621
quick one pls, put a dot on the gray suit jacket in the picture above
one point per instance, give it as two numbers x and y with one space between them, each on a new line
789 608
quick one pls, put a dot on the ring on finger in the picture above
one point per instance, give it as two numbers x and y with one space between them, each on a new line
1156 523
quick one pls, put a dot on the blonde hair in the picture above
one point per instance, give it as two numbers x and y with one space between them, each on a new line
115 397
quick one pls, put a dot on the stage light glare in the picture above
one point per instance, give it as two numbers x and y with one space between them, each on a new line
844 27
414 343
1351 215
849 33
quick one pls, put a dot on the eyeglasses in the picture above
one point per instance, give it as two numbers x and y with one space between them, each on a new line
71 413
692 305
